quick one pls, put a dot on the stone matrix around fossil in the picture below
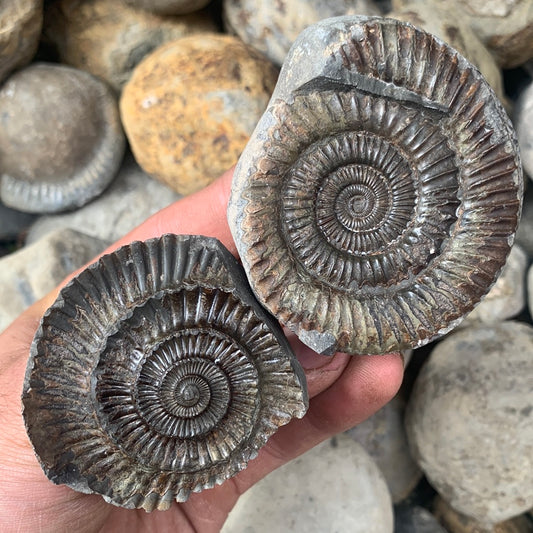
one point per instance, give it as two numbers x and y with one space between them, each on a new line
191 106
378 197
156 374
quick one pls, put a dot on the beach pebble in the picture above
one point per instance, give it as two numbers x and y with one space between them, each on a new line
30 273
191 105
409 519
271 27
61 141
108 39
455 522
20 27
169 7
383 437
449 24
130 200
507 297
469 420
333 487
523 120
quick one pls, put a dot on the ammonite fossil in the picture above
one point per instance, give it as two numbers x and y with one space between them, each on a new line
157 373
378 197
61 141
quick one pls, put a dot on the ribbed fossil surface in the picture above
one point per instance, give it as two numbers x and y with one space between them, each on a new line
379 195
156 373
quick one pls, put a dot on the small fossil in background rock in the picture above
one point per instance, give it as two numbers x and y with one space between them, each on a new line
61 141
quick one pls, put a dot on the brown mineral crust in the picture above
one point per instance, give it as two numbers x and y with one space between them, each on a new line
191 106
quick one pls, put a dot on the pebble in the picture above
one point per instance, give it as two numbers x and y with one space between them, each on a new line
108 39
505 26
20 28
334 487
30 273
383 437
191 106
169 7
450 26
507 297
469 420
455 522
272 27
408 519
523 121
61 141
130 200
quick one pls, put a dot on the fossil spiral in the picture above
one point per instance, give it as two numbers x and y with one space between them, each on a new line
157 373
378 197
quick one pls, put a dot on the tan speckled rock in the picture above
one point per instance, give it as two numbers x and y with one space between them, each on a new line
20 28
169 7
191 106
108 39
446 20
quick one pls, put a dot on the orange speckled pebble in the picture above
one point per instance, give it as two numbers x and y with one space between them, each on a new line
191 105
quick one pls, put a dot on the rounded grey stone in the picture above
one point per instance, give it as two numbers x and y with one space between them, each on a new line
334 487
30 273
469 420
61 141
383 437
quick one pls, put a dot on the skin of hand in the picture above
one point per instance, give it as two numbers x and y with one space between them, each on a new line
343 391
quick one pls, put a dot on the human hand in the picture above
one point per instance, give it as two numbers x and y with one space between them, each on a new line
343 391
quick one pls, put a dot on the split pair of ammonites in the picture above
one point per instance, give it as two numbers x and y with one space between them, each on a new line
373 207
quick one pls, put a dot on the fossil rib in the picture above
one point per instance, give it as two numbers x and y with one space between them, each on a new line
156 373
378 197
